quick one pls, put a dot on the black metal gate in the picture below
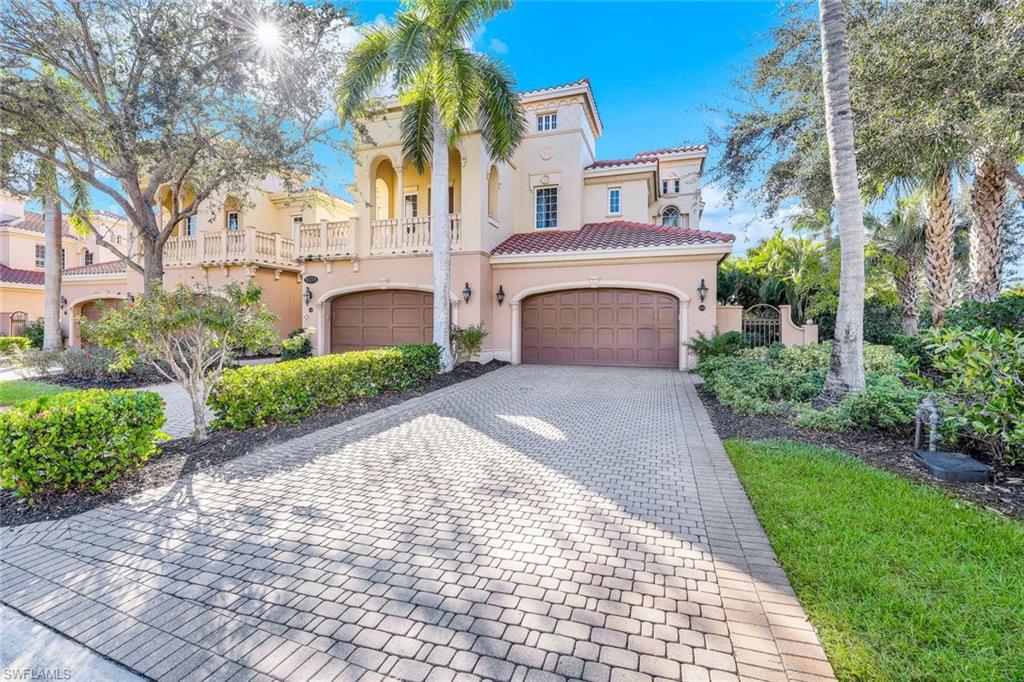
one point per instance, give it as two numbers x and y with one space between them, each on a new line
18 321
762 325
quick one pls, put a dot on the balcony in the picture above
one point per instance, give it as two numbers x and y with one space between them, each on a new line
327 240
411 235
246 246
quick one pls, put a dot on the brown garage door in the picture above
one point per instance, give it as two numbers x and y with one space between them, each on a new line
623 327
371 319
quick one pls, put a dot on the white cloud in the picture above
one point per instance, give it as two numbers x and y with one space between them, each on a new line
743 219
499 46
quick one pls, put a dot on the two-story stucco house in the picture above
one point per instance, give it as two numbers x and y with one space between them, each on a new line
563 257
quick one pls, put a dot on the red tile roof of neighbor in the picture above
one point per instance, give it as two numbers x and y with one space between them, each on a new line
673 150
33 222
12 276
619 234
611 163
110 267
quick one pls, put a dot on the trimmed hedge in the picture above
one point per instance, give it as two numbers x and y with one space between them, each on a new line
83 440
9 345
288 391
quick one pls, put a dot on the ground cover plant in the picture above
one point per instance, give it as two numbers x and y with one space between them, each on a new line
13 345
901 581
16 391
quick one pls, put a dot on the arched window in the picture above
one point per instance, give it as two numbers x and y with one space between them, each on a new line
492 192
670 217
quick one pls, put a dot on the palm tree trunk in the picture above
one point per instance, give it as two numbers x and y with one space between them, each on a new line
53 226
939 243
442 243
846 367
986 254
906 289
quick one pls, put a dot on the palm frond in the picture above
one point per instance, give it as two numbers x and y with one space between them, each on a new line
458 20
502 121
367 67
457 87
418 129
410 46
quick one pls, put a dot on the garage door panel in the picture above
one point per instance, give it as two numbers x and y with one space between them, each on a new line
371 319
601 327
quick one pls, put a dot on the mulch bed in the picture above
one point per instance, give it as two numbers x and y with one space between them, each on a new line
109 383
887 450
178 458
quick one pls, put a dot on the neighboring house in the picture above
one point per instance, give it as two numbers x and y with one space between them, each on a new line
23 250
563 257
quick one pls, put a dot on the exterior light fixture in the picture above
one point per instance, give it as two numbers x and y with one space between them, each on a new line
702 291
466 292
307 296
131 297
63 302
501 295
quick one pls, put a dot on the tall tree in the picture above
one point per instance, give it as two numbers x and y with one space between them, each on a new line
446 90
846 367
53 257
900 242
135 98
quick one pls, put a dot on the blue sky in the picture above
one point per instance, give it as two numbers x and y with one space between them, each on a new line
655 67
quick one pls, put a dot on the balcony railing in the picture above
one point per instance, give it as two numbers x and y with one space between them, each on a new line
411 235
228 247
327 240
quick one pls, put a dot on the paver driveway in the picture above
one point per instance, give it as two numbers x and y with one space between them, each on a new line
537 523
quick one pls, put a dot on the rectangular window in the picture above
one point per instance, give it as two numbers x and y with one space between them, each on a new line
547 207
547 122
63 258
190 226
614 201
675 185
664 186
296 221
412 205
89 257
40 255
232 220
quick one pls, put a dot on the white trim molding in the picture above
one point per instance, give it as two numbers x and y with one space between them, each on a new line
600 283
608 254
322 314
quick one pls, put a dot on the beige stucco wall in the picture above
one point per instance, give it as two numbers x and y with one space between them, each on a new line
83 289
19 298
634 198
729 318
18 248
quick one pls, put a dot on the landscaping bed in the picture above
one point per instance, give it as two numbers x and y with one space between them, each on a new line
184 456
901 581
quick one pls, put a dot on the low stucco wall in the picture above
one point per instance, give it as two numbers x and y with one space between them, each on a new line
13 299
730 319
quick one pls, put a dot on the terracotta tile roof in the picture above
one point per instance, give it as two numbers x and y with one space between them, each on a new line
110 267
12 276
582 81
672 150
34 222
612 163
619 234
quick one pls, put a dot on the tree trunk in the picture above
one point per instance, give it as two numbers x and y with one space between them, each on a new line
939 243
53 228
906 289
442 242
846 367
198 396
153 262
986 256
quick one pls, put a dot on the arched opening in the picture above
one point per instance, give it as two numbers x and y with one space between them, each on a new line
671 217
385 182
492 192
89 308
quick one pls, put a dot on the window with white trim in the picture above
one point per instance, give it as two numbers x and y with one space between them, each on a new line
547 122
190 226
412 205
670 217
614 200
40 255
296 222
89 257
675 185
547 207
232 220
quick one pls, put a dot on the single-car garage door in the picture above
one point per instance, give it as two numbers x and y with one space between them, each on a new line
622 327
371 319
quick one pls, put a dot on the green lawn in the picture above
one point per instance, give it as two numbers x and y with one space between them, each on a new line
901 581
16 391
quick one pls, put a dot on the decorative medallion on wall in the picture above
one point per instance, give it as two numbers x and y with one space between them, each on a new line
545 153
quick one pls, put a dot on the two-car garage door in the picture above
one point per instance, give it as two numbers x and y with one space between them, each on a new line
622 327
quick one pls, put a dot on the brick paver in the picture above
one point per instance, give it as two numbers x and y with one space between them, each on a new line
538 523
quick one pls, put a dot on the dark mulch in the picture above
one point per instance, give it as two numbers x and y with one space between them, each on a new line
110 383
184 456
887 450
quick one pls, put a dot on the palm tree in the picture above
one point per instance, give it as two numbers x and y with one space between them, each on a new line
846 368
53 265
986 254
901 238
446 90
940 241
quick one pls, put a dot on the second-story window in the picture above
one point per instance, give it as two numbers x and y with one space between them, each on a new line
63 258
89 257
296 222
412 206
547 207
40 255
547 122
614 201
190 226
232 220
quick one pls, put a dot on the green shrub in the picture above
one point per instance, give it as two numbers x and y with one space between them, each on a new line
33 331
750 385
884 404
288 391
83 440
12 345
729 343
1006 312
981 386
298 344
877 358
467 341
83 365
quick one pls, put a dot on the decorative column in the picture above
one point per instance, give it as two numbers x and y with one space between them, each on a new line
516 333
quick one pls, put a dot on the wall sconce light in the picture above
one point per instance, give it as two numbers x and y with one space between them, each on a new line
501 295
63 302
131 297
466 292
307 296
702 291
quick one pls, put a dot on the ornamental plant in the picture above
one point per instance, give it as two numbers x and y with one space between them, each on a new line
188 336
12 345
467 341
82 440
